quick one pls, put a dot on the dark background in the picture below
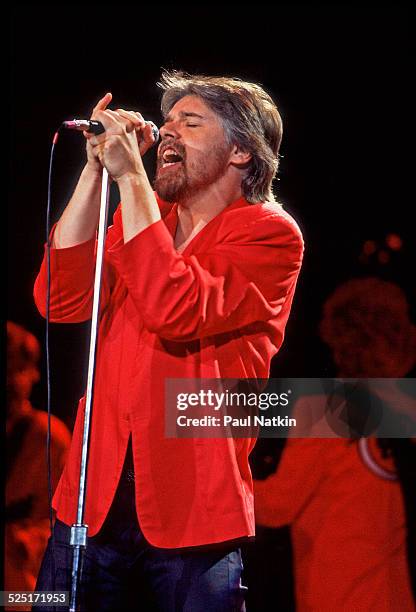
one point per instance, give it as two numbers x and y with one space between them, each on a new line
341 76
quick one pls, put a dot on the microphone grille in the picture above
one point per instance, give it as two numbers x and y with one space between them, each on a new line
155 131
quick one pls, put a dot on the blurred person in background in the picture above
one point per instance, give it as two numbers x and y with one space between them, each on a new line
27 509
347 510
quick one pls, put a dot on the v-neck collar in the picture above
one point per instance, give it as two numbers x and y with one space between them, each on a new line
172 218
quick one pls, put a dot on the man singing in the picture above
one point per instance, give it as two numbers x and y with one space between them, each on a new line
199 278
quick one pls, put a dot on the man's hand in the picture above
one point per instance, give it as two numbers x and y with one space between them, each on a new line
126 138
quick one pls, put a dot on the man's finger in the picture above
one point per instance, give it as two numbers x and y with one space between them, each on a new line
136 119
103 103
108 118
146 138
148 134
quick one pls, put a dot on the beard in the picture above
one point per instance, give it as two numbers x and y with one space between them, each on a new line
186 179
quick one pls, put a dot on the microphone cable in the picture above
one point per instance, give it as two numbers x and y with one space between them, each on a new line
47 350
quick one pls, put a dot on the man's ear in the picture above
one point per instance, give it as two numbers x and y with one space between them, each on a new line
240 158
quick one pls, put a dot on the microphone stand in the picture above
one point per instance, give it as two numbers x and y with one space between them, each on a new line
79 530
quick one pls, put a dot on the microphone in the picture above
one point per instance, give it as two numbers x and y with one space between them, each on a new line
96 127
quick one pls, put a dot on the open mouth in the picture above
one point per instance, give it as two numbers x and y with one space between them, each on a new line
170 157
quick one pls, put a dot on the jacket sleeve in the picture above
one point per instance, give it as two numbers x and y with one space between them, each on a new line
281 497
244 278
72 276
72 279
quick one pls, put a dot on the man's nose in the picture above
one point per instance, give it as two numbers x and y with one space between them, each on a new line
168 130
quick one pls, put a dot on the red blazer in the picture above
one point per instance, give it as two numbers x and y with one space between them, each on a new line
218 310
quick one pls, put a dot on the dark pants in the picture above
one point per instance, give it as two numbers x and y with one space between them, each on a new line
122 571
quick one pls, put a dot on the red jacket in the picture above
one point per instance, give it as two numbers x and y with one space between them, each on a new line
217 310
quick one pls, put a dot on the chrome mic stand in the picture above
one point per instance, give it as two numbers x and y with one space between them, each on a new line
79 530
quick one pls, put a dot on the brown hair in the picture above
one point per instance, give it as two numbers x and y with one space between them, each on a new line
249 116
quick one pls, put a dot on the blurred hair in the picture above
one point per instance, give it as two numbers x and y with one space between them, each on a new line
249 116
22 346
366 303
367 320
